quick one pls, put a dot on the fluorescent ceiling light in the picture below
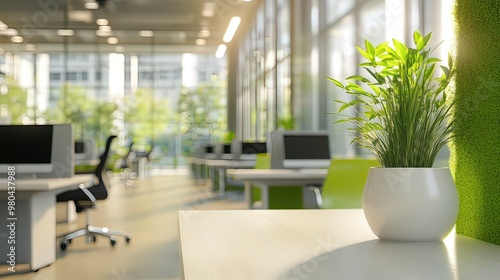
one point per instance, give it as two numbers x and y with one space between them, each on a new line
3 26
17 39
65 32
112 40
221 51
146 33
91 6
201 42
231 29
9 32
102 21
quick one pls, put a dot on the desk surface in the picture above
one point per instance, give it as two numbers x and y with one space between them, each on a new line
47 184
275 177
229 163
319 244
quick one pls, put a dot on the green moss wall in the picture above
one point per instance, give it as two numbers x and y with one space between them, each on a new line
475 153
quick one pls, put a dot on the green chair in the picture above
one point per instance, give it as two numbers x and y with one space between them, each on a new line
344 183
289 197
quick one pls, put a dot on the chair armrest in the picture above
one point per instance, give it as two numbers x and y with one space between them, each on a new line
88 193
317 192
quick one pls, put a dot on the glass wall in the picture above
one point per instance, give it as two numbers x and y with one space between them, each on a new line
161 101
309 40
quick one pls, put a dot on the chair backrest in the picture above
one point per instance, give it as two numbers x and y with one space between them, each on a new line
126 159
345 181
263 161
100 171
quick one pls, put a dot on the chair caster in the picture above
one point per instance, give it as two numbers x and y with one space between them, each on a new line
127 239
113 242
64 245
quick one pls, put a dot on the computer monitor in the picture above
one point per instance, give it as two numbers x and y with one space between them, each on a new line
209 152
27 147
84 150
225 152
299 149
37 150
247 150
306 150
80 147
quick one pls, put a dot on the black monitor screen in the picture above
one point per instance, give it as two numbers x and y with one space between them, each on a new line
79 147
253 148
306 147
209 149
25 144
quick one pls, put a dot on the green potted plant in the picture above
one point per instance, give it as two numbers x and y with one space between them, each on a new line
402 115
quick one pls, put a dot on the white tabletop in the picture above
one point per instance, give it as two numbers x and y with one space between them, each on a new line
227 163
47 184
278 176
319 244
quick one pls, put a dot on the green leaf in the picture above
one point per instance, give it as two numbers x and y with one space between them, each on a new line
401 49
365 54
418 40
358 78
337 83
369 48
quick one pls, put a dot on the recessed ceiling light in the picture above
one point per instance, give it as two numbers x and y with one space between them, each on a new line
65 32
208 9
204 33
91 6
146 33
112 40
201 42
105 28
102 21
30 47
102 33
17 39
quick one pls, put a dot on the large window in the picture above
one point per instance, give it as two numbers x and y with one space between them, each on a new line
309 40
158 100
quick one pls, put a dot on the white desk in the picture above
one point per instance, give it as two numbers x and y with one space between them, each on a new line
36 218
220 166
265 178
319 244
197 168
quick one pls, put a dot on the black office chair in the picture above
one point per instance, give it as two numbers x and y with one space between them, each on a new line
86 197
126 166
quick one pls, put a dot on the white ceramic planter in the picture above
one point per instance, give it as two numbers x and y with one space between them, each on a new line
410 204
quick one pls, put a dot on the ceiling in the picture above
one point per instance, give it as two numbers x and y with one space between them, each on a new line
176 23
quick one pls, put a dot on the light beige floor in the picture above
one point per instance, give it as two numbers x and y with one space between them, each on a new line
149 213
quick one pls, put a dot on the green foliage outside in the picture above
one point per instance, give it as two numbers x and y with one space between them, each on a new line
401 112
91 119
286 123
202 115
13 101
146 116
